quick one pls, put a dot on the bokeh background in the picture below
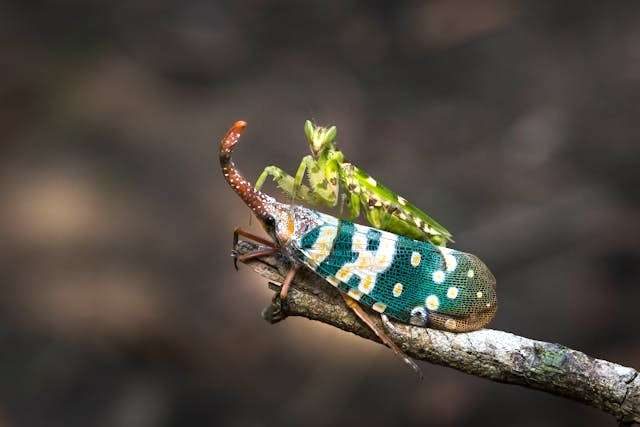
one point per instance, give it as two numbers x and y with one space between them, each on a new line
515 123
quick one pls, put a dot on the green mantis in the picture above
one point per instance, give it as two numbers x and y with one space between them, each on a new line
331 179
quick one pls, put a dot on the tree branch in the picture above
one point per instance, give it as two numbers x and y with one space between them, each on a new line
496 355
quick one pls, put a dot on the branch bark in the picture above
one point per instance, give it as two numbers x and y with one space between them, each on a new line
495 355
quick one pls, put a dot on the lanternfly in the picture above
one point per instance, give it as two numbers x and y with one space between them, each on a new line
411 281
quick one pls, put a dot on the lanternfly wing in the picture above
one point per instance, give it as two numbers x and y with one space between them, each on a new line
409 280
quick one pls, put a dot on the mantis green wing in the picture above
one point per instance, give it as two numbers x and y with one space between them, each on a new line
392 212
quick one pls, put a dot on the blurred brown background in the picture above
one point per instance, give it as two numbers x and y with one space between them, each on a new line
514 123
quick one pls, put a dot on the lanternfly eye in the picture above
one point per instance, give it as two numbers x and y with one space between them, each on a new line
419 316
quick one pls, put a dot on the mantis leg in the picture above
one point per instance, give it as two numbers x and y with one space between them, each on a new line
349 182
354 206
374 216
307 162
380 333
322 177
329 188
286 183
378 216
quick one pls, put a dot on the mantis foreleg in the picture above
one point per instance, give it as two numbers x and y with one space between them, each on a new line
354 206
375 217
307 162
323 178
286 183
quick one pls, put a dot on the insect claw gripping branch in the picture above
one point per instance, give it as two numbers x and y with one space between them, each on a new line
243 258
411 281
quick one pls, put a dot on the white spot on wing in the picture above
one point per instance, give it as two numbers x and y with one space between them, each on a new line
450 261
438 276
355 294
432 302
322 246
415 259
359 242
379 307
397 289
328 219
328 232
367 284
368 264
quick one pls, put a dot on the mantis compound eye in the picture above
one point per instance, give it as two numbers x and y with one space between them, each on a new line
419 316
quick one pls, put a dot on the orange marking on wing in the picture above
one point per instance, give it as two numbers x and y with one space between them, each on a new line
290 225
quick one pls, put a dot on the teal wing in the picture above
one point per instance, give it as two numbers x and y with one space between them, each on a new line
401 277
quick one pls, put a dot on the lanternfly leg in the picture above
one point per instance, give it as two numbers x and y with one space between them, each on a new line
284 290
257 254
359 311
240 232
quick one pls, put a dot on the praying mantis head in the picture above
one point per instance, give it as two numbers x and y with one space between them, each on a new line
319 138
